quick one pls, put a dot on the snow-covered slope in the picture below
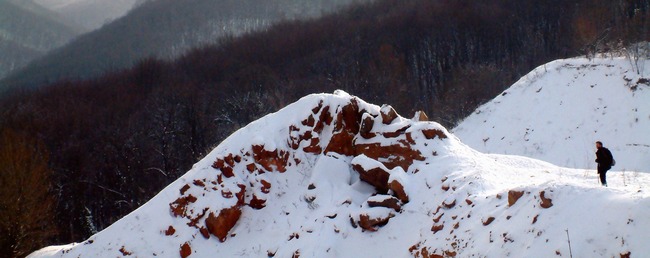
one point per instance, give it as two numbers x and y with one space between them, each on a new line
557 112
333 176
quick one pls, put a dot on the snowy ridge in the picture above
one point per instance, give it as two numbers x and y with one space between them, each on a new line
557 112
333 176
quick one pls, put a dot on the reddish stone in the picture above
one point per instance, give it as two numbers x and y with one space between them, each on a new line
342 143
170 231
314 147
221 224
317 108
184 189
227 172
398 190
391 202
125 252
257 203
218 164
241 194
433 133
230 160
270 160
436 228
204 232
309 121
199 183
388 114
376 177
366 127
449 205
179 206
251 167
400 154
266 186
513 197
185 250
370 224
325 118
488 221
420 116
546 202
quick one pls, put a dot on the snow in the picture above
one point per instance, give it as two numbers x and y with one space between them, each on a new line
453 194
558 111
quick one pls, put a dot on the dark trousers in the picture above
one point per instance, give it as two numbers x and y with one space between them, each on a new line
602 171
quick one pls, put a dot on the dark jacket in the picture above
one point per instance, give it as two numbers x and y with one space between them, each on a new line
604 158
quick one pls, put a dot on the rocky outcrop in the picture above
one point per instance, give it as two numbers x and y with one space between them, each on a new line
385 141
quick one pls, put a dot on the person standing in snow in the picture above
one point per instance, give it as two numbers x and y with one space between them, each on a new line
605 161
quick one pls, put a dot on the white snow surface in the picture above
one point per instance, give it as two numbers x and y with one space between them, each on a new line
558 111
453 193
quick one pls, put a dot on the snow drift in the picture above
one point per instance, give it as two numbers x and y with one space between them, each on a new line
558 111
334 176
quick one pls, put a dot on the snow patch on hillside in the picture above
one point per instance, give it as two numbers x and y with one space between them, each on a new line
558 111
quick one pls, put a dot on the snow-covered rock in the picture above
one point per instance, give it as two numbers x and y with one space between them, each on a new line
292 184
558 111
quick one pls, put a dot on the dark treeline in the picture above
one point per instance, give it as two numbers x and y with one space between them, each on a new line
115 141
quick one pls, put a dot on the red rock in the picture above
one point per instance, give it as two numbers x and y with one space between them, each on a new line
251 167
369 224
227 172
388 114
184 189
241 194
257 203
546 202
433 133
436 228
420 116
400 154
270 160
488 221
199 183
398 190
376 177
230 160
221 224
125 252
179 206
266 186
314 147
449 205
366 127
513 196
325 118
342 143
310 121
204 232
392 203
186 250
170 231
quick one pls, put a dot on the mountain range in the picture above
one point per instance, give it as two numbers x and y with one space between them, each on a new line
28 31
162 29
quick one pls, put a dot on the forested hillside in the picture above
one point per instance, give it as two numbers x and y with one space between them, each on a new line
28 31
115 141
163 29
